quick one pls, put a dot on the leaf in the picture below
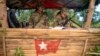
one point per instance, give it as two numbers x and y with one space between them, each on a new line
19 52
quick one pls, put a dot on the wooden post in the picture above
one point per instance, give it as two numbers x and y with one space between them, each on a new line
3 18
85 47
3 13
4 46
90 14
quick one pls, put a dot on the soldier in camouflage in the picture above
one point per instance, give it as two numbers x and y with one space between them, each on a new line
39 19
61 19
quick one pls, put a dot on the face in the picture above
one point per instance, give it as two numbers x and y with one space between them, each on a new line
41 9
63 14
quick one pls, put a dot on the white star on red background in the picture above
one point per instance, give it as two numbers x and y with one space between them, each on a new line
43 46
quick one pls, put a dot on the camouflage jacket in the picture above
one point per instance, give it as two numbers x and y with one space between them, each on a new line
38 20
59 21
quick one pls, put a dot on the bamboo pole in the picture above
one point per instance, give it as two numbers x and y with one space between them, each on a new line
90 14
85 47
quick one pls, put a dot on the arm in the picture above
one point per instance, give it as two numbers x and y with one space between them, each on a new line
31 21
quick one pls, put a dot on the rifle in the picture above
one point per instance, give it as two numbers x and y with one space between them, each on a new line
67 20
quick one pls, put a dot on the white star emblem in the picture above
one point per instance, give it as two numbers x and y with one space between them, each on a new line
43 46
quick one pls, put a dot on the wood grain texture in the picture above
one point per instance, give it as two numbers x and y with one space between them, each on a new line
72 40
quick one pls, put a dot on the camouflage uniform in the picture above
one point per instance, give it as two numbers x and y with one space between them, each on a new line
59 21
38 20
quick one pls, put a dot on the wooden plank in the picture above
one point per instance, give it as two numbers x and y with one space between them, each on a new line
52 37
32 46
51 33
58 53
29 43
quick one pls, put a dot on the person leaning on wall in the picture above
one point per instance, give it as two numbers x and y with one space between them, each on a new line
39 18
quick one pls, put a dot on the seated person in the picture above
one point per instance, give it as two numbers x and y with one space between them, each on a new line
39 18
61 19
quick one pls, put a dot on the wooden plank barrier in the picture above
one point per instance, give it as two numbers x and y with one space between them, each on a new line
73 41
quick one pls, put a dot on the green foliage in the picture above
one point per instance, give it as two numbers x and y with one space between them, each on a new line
74 18
24 15
51 13
96 49
19 52
96 20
